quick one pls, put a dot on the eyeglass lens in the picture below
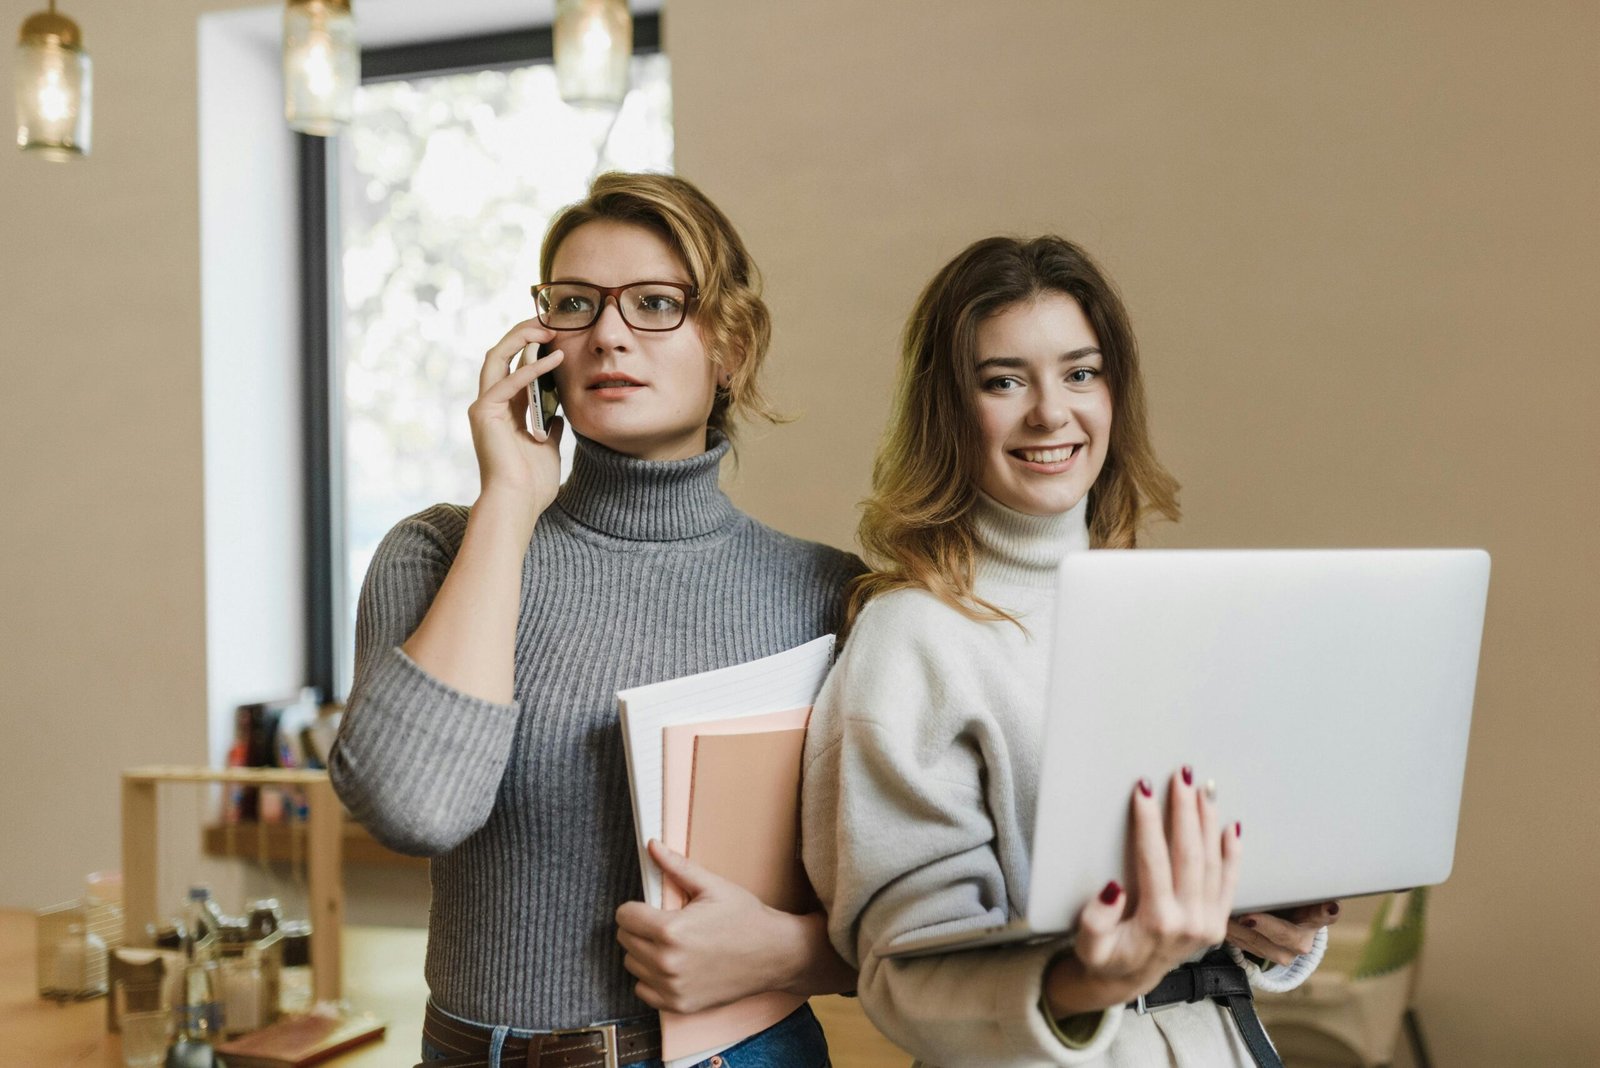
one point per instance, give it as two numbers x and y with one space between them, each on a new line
647 306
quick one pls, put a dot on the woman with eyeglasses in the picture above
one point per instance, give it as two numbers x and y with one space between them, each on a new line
1018 435
481 729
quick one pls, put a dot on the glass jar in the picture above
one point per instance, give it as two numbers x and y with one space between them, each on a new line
295 990
265 916
243 994
77 964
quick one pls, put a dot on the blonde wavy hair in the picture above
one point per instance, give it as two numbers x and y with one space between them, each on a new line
733 319
917 526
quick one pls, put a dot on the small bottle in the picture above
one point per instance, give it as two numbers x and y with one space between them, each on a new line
201 1019
201 915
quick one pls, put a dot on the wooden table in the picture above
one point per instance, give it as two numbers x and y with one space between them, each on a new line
382 975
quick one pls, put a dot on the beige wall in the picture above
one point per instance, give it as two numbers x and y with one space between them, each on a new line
102 630
1358 241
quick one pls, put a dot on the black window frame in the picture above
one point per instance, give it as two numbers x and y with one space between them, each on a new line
321 379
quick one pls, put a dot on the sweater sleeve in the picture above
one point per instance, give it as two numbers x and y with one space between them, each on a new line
1276 980
417 762
898 840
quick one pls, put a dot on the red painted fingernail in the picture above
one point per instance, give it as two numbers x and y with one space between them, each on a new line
1333 908
1248 922
1188 775
1238 830
1145 788
1109 895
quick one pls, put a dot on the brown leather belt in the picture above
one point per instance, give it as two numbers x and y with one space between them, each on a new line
608 1045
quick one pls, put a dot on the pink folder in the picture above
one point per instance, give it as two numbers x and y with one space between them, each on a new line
730 802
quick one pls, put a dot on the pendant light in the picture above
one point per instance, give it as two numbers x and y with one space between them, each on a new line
593 44
53 87
321 65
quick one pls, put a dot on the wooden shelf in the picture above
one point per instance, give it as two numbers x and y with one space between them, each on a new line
359 845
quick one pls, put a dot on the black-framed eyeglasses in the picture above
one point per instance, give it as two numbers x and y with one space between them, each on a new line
642 305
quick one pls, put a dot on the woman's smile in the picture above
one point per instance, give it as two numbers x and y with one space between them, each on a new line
1048 459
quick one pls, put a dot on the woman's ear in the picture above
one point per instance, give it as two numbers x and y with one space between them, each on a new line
727 369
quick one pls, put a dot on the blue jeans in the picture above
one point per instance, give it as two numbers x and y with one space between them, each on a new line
796 1041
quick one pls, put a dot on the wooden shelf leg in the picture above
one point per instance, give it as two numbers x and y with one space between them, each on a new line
139 888
326 890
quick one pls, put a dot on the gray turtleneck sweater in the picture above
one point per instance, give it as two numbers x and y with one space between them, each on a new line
921 781
639 571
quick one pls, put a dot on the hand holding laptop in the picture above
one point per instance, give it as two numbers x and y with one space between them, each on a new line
1282 936
1185 869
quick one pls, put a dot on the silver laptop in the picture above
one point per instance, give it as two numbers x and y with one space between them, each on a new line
1327 693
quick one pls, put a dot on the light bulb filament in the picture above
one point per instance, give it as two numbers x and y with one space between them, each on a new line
318 67
596 43
54 101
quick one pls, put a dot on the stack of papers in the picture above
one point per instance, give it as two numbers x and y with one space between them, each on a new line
714 769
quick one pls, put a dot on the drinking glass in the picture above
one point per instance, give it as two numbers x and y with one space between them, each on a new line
144 1014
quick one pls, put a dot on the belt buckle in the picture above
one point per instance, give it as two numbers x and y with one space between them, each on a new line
1144 1008
608 1040
1140 1007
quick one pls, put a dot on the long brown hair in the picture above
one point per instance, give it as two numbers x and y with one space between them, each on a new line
732 317
917 526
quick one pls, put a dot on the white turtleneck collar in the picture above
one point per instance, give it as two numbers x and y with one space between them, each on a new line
1016 549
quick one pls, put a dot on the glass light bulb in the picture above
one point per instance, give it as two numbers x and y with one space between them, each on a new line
321 66
593 44
53 99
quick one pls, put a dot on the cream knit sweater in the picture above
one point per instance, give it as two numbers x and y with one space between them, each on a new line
921 780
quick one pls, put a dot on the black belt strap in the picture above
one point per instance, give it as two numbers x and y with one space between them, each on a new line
1216 977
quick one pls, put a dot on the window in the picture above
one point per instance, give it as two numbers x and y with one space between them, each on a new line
424 222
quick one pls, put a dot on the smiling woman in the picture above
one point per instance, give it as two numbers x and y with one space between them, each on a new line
1018 436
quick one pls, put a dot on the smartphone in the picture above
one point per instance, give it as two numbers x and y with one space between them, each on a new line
542 399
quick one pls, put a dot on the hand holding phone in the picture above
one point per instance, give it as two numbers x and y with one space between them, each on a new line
543 401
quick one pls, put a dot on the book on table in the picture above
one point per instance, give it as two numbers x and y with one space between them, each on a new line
297 1041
